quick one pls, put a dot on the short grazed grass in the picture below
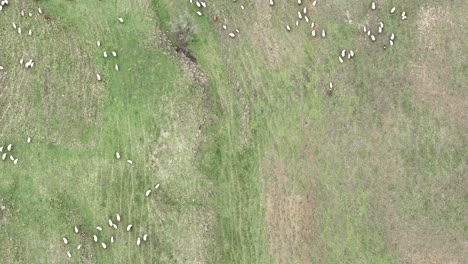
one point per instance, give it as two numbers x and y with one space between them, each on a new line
258 165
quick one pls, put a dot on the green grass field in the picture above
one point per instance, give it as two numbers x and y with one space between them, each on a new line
256 163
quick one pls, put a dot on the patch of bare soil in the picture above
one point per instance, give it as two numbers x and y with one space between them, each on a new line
439 42
288 215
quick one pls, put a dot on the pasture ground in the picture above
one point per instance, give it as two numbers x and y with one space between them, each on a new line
256 163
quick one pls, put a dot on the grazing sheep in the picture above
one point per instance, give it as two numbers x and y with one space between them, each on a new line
121 20
110 222
78 247
391 42
98 43
145 237
117 217
203 4
237 31
130 162
22 13
114 54
232 35
30 32
199 13
288 28
314 3
372 37
364 29
323 33
15 161
368 32
242 7
331 85
157 186
65 241
19 30
380 30
138 241
99 228
297 23
95 238
129 227
306 19
271 3
198 4
4 156
30 14
40 10
1 148
304 10
98 77
148 192
343 53
340 59
373 6
112 239
351 53
299 15
76 229
299 2
224 27
1 67
114 226
392 36
312 25
117 67
392 10
12 158
104 246
105 54
313 32
9 147
381 24
404 18
69 254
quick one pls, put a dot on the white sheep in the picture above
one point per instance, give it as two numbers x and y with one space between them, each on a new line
351 53
381 24
198 4
364 29
78 247
380 30
145 237
288 28
130 162
297 23
392 10
331 85
343 53
203 3
313 33
368 32
148 192
12 158
323 33
117 155
105 54
104 246
138 241
312 25
39 10
114 53
391 42
299 15
299 2
99 228
199 13
372 37
9 147
110 222
1 148
4 156
117 217
15 161
19 30
30 32
129 227
22 13
232 35
114 226
121 20
98 77
98 43
373 6
95 238
271 3
224 27
69 254
242 7
237 31
306 19
112 239
76 229
304 10
157 186
117 67
314 3
30 14
340 59
65 241
392 36
1 67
